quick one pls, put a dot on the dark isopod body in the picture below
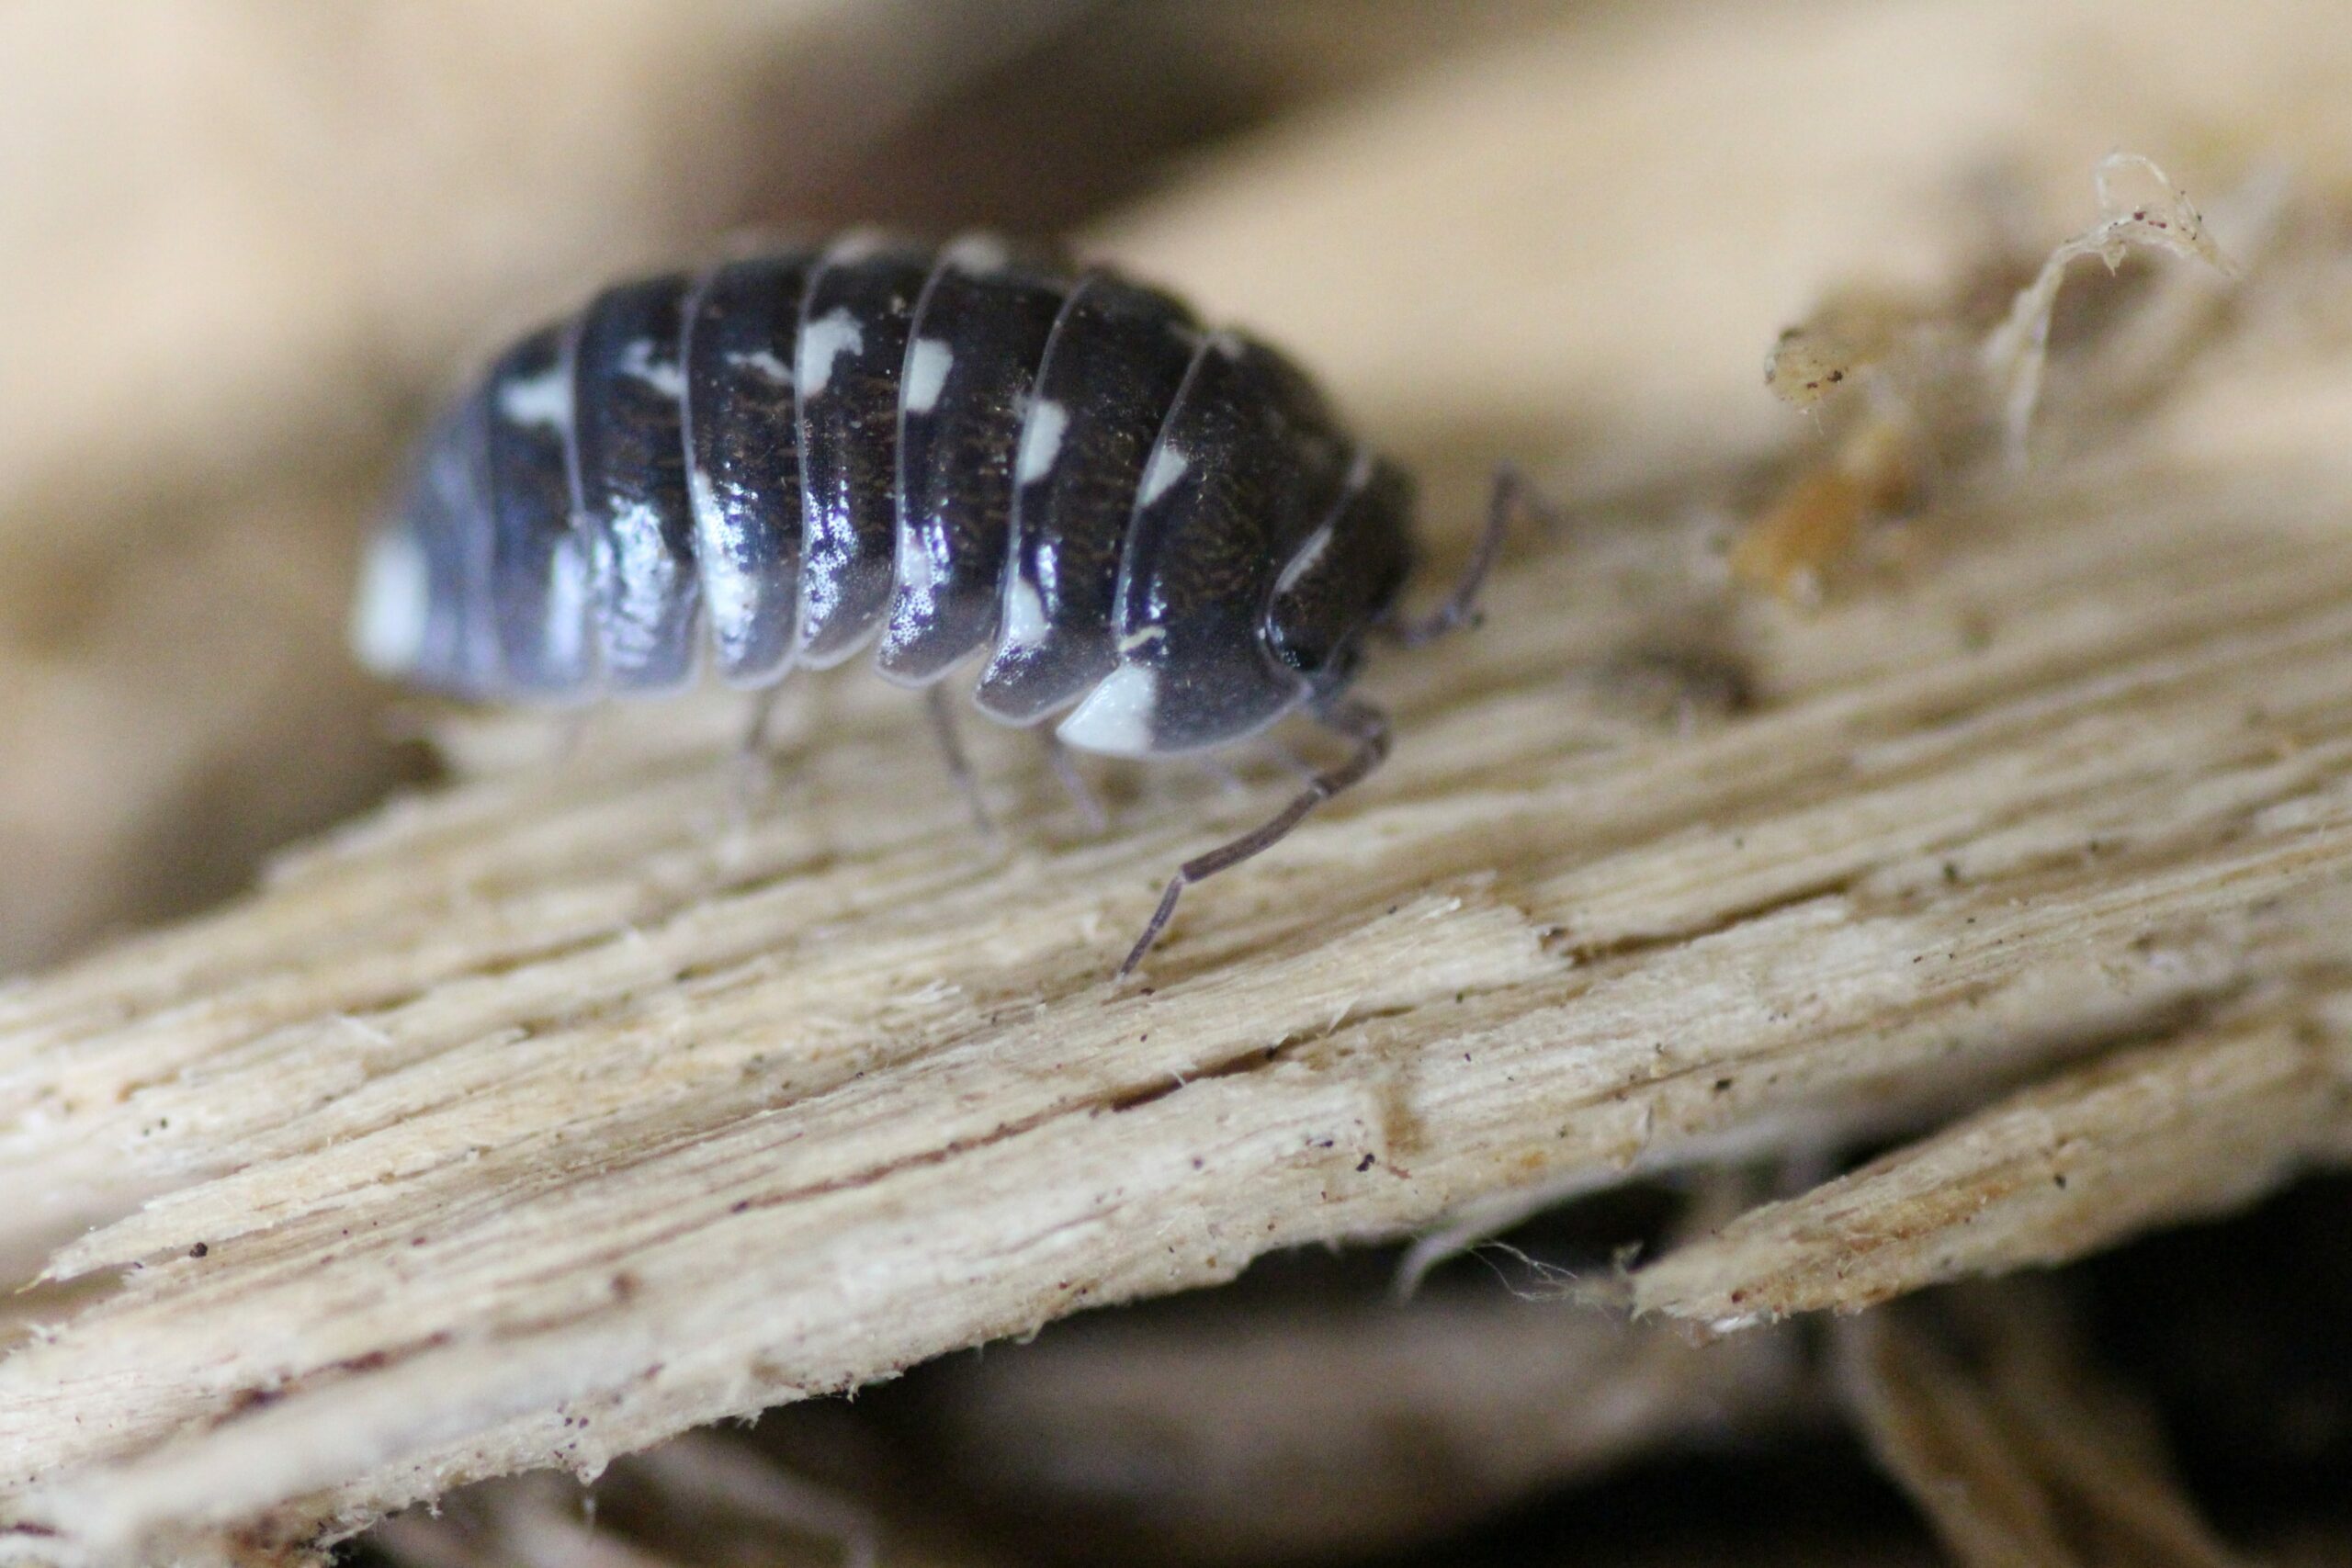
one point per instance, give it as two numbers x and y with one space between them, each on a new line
1154 535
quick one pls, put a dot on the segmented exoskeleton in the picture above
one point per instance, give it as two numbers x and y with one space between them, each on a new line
1154 535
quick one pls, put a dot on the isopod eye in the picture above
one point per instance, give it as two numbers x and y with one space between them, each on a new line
1347 574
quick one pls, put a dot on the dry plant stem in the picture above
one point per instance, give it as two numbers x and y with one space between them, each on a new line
1938 1435
2021 1463
1919 377
2012 356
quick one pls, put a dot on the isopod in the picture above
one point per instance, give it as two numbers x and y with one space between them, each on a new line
1155 536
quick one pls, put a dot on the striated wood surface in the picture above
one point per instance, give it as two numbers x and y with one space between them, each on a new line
597 1115
2193 1126
612 1092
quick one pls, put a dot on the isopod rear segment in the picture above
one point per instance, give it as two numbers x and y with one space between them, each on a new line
1153 536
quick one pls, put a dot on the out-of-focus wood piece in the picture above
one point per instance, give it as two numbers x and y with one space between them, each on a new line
1591 238
1320 1429
2017 1457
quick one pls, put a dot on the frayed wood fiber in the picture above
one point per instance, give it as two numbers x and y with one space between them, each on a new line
571 1106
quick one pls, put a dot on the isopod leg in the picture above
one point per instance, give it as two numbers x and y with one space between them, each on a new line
1217 768
1081 795
1360 722
960 765
1511 495
756 730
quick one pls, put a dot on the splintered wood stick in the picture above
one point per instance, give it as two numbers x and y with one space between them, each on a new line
552 1114
2195 1125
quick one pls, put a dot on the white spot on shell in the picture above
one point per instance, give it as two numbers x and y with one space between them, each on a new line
729 596
1115 719
640 578
1041 442
826 339
1142 637
915 574
761 362
544 399
928 363
1167 465
664 373
389 617
727 589
566 635
1024 616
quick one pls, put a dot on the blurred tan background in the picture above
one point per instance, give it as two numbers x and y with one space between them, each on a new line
243 244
